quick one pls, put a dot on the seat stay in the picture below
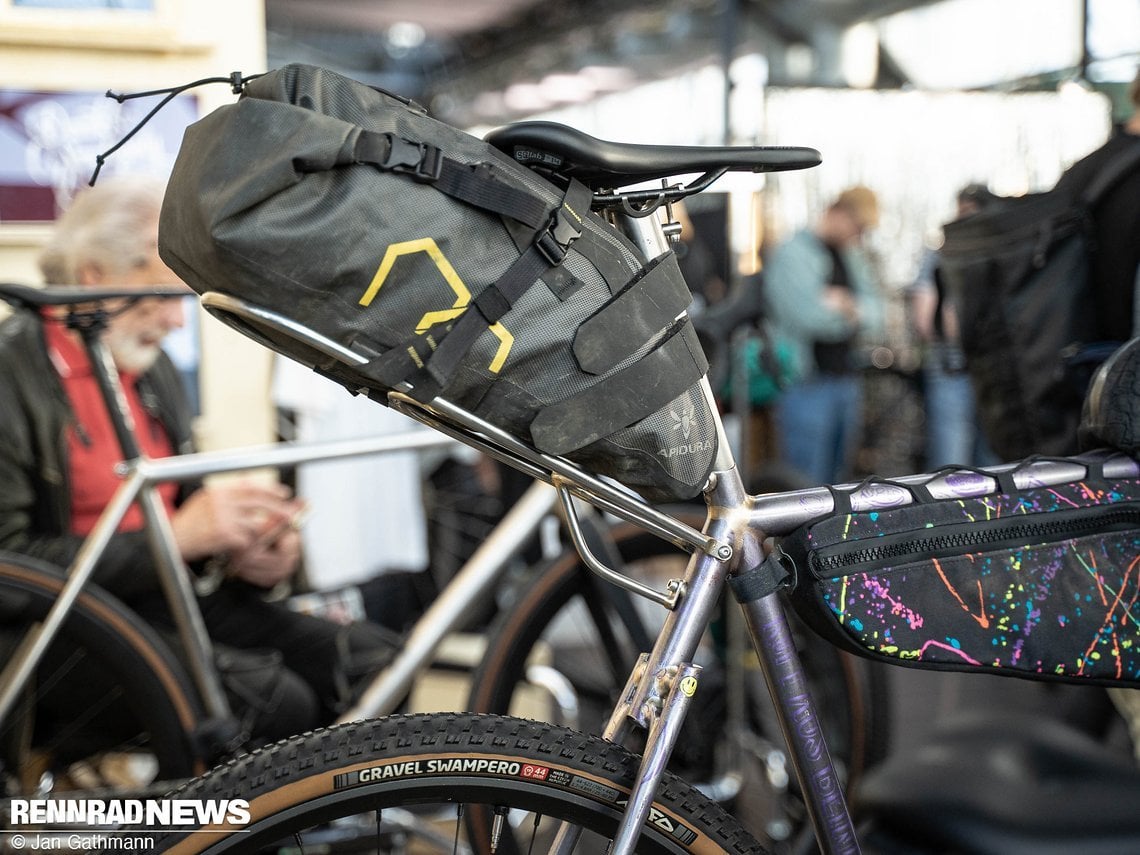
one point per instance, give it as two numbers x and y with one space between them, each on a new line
553 147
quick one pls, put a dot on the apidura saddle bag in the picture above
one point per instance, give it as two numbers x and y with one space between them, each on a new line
448 269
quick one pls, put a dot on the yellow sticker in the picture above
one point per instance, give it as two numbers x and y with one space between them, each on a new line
689 686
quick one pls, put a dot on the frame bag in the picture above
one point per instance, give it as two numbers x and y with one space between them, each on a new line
451 269
1040 582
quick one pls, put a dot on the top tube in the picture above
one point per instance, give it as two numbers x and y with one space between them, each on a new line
781 513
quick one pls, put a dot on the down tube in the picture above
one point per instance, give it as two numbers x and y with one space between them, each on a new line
799 719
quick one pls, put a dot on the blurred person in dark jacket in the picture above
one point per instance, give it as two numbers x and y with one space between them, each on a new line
1116 222
285 672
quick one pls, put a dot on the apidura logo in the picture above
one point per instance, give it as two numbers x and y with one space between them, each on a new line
683 424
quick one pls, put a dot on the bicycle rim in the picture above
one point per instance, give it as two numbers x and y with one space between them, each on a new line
392 774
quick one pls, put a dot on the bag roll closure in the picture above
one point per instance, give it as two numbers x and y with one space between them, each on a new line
423 162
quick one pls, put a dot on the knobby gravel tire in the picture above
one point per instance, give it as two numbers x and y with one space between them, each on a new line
411 762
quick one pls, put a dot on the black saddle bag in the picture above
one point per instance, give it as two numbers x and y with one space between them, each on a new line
451 271
1040 582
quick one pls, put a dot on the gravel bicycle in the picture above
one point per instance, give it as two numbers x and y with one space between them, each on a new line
496 783
153 708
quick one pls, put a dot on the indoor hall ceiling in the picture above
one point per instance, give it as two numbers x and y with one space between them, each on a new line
460 57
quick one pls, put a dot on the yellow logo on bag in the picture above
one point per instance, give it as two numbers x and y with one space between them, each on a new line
441 316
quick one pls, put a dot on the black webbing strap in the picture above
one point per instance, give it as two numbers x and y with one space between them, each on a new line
758 582
625 397
428 363
631 319
474 185
606 257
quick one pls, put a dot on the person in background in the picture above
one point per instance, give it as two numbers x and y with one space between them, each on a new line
953 435
822 296
285 672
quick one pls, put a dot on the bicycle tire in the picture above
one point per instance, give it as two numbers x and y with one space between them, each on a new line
851 694
313 779
141 689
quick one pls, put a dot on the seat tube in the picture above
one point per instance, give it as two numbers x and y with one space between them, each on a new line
799 720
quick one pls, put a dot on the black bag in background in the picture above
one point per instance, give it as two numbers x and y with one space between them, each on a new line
1019 275
448 267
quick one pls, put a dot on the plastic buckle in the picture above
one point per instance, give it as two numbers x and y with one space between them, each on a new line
554 241
423 162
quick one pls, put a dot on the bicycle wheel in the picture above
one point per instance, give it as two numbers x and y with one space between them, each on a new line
107 686
403 783
585 635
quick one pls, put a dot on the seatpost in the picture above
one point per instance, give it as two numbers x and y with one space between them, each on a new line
91 325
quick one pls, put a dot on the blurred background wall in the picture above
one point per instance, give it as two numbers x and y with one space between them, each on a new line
912 97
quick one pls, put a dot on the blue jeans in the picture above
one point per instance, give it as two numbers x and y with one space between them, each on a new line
952 432
820 424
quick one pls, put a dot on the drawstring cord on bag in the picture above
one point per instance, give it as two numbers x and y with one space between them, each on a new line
235 79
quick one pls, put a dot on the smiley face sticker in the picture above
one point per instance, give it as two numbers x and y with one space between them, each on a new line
689 686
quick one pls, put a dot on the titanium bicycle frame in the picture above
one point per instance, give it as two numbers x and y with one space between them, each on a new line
731 544
141 478
666 678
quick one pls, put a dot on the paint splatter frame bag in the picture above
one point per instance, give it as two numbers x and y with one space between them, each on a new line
1041 582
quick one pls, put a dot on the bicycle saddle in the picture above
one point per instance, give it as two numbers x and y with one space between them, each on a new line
32 297
567 151
1022 785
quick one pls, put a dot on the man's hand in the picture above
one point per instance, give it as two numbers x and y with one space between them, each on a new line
231 517
267 563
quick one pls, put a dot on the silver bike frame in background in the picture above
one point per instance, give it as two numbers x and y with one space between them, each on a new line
141 478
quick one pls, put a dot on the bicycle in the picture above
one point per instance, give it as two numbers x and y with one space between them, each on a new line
543 782
178 712
180 716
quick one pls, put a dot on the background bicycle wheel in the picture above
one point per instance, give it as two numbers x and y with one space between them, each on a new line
109 703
